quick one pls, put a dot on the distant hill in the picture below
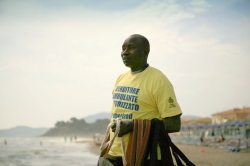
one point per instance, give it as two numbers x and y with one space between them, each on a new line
105 115
93 118
200 121
23 131
189 117
77 127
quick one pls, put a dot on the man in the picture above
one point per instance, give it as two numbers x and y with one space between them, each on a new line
143 92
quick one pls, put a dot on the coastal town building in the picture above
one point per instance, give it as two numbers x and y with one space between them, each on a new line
235 114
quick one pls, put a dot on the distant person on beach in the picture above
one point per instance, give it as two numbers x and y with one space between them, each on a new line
212 133
5 142
246 136
237 146
202 137
70 138
222 138
144 92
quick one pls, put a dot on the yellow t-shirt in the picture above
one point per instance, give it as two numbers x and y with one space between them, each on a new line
145 95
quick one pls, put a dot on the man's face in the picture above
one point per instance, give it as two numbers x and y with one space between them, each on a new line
133 54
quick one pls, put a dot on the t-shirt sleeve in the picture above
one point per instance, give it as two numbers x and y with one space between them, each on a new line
166 101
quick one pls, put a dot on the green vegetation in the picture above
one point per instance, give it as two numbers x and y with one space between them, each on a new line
78 127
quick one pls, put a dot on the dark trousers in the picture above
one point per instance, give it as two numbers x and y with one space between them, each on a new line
118 162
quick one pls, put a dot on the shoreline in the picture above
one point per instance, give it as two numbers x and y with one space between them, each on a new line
93 148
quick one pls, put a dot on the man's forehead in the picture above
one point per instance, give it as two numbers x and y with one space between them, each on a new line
132 41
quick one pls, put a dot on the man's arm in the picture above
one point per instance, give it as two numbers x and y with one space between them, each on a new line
172 124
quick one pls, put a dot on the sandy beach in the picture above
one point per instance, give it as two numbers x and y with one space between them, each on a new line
205 156
212 156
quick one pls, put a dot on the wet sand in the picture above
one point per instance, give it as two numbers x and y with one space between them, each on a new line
205 156
93 148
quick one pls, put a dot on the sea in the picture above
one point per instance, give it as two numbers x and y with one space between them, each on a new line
46 151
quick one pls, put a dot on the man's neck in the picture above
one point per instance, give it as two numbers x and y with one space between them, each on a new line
139 71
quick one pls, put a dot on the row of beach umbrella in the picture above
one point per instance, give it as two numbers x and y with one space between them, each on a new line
212 126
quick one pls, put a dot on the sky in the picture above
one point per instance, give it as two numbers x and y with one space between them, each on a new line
60 59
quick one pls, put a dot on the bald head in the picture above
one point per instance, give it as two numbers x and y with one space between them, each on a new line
143 40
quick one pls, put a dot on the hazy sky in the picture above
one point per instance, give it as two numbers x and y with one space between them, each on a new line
60 59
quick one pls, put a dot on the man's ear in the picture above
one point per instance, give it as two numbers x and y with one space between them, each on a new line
146 51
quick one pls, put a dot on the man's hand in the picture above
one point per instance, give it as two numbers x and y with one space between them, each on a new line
125 127
172 124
